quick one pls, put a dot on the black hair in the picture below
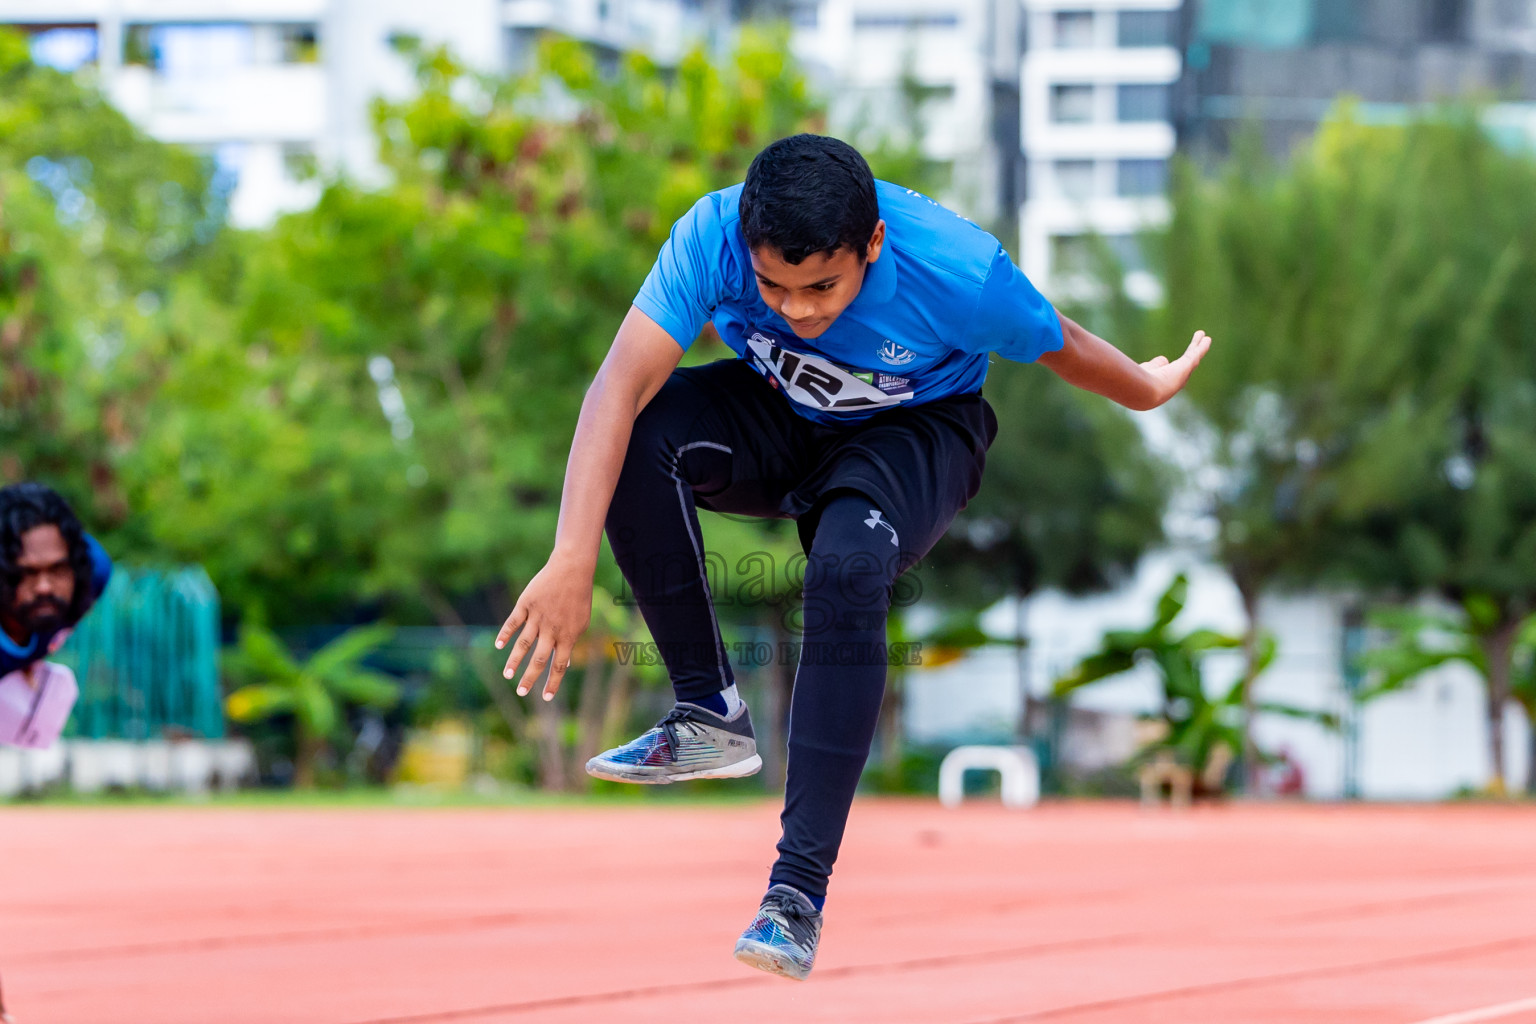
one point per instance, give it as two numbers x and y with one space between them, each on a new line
808 194
25 507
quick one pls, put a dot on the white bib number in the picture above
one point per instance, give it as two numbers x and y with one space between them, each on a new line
821 384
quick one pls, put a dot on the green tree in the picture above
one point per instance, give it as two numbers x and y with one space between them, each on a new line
1522 690
314 692
1477 637
481 288
99 224
1365 411
1071 499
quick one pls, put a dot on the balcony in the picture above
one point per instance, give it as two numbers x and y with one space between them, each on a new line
280 102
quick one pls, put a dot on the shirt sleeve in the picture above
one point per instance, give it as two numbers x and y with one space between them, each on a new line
1012 318
688 280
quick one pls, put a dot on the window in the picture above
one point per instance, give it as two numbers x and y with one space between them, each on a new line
1445 21
1127 250
65 47
1083 254
1074 30
299 161
212 49
906 21
1145 28
1071 104
194 50
298 44
1511 13
1074 179
1143 103
1071 254
1141 178
1338 21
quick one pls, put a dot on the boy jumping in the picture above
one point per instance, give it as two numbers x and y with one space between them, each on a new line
863 315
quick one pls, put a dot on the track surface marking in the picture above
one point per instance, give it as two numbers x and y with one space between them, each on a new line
1501 1012
1076 913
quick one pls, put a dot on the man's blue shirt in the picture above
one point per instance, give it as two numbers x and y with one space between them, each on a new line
14 656
941 297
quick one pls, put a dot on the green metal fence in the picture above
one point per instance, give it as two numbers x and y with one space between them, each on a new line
147 659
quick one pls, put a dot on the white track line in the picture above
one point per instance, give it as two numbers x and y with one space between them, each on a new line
1486 1013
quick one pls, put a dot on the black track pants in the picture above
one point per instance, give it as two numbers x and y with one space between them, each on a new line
870 498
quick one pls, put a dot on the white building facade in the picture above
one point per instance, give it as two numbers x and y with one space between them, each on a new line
1096 87
1427 742
274 89
963 57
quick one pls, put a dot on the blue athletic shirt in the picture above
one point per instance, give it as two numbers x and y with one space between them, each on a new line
942 295
14 656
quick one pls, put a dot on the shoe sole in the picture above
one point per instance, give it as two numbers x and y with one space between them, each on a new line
764 958
736 770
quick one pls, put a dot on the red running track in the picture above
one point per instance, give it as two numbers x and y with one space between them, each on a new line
1077 913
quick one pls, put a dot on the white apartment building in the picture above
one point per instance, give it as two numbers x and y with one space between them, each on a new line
664 29
273 89
964 54
276 88
1096 89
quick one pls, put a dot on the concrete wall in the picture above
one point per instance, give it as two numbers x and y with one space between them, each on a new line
90 766
1426 743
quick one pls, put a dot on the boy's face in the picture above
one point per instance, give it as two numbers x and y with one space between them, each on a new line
46 586
812 294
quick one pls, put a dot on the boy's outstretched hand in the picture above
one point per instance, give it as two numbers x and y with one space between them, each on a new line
552 612
1093 364
1169 378
556 606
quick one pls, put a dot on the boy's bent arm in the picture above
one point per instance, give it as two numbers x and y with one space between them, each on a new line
1093 364
556 606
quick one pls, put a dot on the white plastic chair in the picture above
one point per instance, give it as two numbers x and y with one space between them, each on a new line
1017 767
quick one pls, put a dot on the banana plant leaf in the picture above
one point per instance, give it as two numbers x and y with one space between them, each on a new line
372 689
339 657
258 701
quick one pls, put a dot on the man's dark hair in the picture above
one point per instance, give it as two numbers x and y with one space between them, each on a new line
808 194
25 507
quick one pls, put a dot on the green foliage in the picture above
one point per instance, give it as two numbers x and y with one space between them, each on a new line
1481 636
1373 303
1421 642
1197 723
1523 680
1368 406
98 226
521 217
313 692
1071 497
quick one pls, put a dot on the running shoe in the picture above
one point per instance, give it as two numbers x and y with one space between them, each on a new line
690 743
782 937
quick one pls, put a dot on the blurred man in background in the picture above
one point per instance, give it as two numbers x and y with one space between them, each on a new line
863 316
51 573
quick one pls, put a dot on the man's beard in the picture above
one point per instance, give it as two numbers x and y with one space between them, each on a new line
42 615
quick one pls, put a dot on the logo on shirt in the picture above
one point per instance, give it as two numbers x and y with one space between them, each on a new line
894 355
874 520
